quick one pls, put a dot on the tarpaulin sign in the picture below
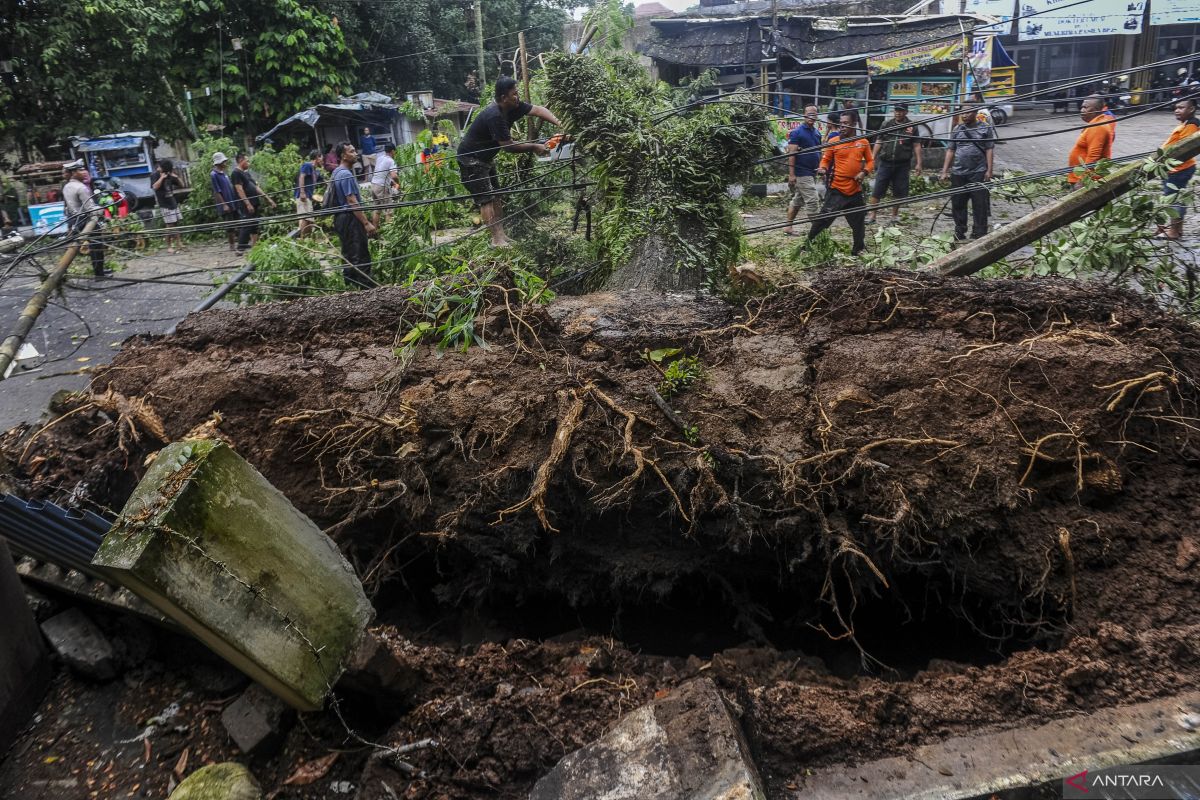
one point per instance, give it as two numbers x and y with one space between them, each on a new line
914 57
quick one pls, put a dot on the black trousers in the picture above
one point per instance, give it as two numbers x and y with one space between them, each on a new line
981 206
852 207
353 238
248 227
96 248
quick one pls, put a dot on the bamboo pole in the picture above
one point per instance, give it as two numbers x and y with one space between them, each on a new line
996 245
37 303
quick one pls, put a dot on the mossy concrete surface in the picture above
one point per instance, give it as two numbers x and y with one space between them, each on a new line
228 781
213 545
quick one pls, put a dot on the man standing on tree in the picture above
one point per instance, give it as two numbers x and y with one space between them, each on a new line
804 156
491 132
970 151
896 150
350 222
850 162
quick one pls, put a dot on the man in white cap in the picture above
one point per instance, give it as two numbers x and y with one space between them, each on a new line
224 197
80 208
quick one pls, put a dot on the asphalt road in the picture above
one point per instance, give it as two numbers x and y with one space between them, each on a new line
86 324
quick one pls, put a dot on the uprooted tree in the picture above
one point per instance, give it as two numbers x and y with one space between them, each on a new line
666 221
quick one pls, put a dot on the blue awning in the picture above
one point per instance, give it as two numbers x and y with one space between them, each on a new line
101 145
1000 56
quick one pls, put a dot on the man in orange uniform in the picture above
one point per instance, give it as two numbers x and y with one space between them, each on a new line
1177 180
1094 142
848 163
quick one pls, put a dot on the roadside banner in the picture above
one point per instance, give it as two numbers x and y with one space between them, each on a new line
1041 20
914 57
979 64
1174 12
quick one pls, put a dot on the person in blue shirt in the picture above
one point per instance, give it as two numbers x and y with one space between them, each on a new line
225 197
306 187
804 148
350 222
367 150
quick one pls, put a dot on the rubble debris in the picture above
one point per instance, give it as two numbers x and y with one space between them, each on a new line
208 541
23 673
227 781
685 746
377 671
257 721
81 645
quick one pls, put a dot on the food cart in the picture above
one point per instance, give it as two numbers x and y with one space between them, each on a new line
931 79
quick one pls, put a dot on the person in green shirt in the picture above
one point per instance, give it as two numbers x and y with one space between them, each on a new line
896 150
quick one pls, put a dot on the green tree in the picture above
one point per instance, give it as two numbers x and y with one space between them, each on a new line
100 66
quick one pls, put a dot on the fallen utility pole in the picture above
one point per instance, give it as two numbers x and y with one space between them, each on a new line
996 245
37 303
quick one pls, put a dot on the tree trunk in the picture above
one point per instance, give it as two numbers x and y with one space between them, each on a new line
659 261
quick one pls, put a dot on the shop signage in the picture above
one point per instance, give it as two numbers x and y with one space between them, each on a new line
914 57
1040 19
1174 12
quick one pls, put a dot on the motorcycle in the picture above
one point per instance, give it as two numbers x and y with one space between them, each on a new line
1116 95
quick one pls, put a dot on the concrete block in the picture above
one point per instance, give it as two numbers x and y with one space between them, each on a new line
213 545
227 781
686 746
257 721
1023 762
81 645
23 671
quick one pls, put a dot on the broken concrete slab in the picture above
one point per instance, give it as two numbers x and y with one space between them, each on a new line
81 645
227 781
1022 760
257 721
685 746
23 673
213 545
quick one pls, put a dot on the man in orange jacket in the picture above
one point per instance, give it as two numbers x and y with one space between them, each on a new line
1095 141
848 163
1177 180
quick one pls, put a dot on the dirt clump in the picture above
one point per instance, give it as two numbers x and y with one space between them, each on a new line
880 509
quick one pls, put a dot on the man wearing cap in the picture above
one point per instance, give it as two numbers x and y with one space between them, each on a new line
224 197
898 144
80 207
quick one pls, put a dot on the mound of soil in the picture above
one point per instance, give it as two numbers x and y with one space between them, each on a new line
971 500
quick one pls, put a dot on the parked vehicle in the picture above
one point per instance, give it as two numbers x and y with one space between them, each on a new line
125 162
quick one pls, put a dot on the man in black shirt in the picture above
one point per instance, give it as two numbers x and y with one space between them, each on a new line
491 132
250 199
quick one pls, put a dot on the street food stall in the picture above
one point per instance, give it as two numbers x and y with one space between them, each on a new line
931 79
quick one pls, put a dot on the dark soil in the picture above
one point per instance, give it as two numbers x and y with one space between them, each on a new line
901 508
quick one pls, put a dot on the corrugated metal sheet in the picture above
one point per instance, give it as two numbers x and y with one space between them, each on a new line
48 532
739 41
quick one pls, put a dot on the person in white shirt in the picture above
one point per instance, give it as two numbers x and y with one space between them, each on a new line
383 179
81 207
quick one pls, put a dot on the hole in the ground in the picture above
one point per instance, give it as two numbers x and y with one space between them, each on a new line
905 629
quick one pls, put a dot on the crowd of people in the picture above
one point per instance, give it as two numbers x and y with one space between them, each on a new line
829 176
